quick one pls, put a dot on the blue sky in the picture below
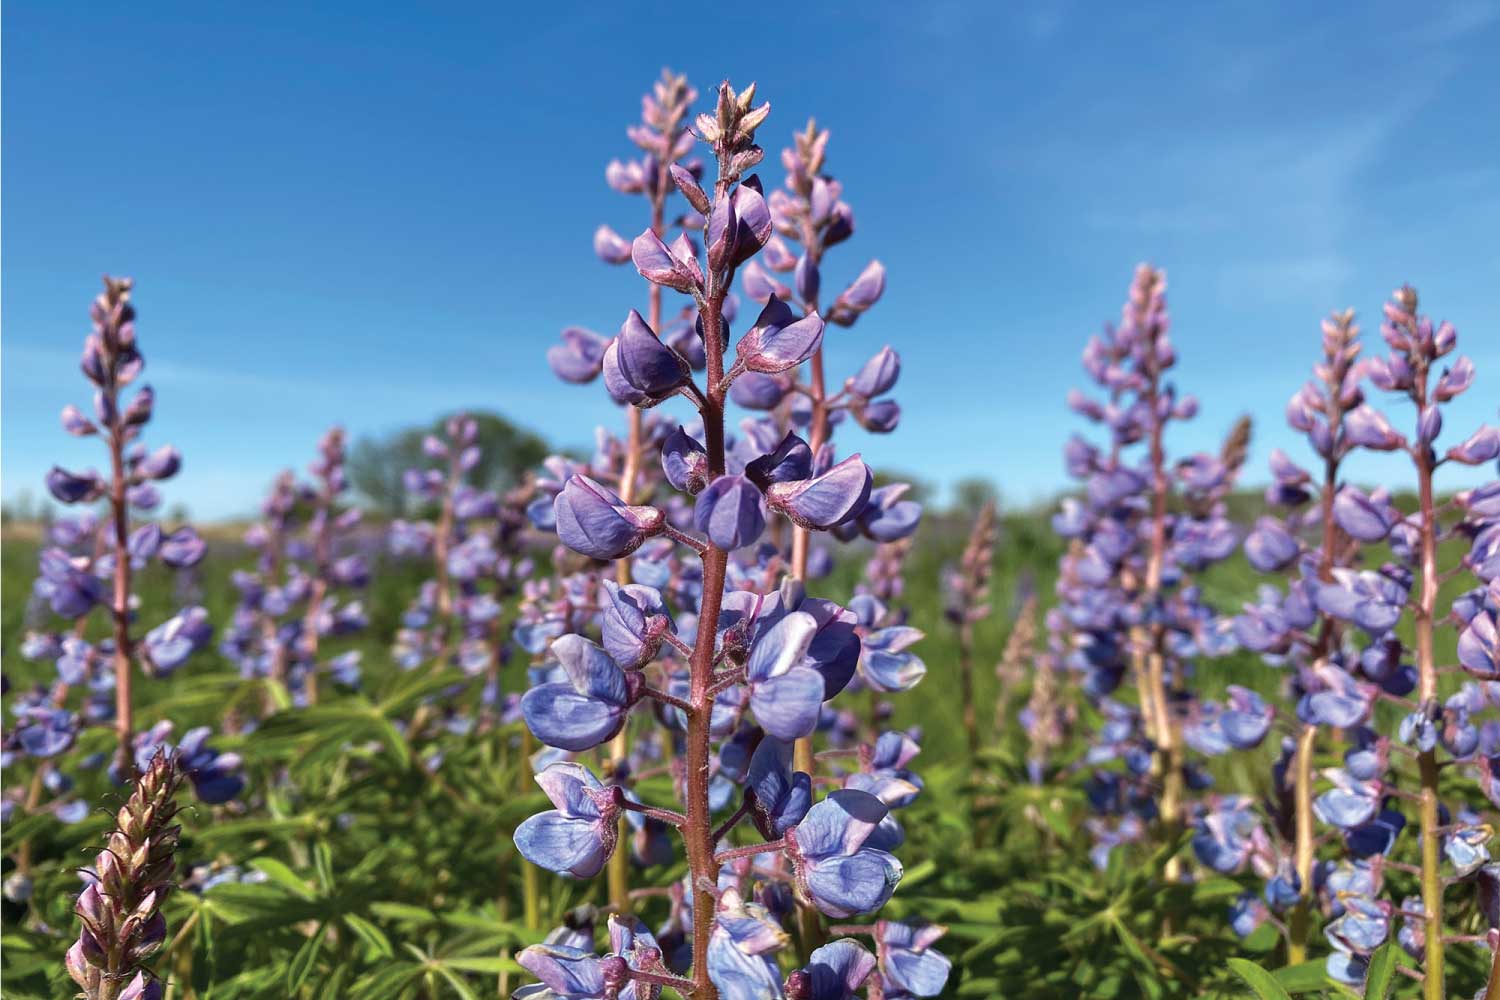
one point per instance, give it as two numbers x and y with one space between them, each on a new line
368 214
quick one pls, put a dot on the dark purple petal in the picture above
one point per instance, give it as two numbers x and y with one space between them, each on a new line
594 521
878 376
826 500
71 487
779 339
729 512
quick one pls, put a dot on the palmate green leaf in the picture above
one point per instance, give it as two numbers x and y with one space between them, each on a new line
323 862
410 688
205 950
353 720
216 834
403 913
919 873
1262 982
333 986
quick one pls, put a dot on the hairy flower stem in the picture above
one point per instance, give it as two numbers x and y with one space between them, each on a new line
442 539
698 832
971 588
619 748
966 688
1149 640
322 553
1300 919
812 242
1305 843
1432 882
120 606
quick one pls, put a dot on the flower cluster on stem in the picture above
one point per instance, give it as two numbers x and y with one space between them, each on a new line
739 677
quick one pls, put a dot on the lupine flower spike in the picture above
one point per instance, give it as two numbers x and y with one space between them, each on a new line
112 360
739 669
120 909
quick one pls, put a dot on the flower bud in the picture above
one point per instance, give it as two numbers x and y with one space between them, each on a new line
610 246
75 423
878 376
720 233
688 185
661 266
826 500
807 279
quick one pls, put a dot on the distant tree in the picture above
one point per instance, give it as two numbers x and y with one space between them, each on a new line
971 494
376 465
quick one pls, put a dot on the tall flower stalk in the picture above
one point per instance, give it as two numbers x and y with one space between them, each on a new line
811 213
1129 605
742 675
290 602
111 361
1318 410
1337 623
664 140
968 597
1416 345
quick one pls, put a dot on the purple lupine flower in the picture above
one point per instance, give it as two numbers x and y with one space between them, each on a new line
592 520
577 837
834 868
1126 585
589 707
909 965
730 512
90 561
836 971
745 665
785 695
779 796
170 644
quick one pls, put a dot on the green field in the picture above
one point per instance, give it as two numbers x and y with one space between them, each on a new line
384 876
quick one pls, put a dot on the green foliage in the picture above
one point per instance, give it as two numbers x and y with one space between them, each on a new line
378 866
